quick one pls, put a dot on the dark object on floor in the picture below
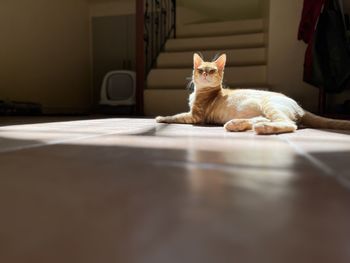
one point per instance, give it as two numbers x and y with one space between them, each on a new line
20 108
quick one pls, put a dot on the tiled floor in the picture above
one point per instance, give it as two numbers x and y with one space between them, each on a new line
130 190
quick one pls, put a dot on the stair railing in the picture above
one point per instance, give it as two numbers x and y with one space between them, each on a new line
155 24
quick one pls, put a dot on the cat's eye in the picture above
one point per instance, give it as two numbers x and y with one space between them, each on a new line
200 71
212 71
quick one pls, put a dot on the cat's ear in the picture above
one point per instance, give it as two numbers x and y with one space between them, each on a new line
197 60
221 61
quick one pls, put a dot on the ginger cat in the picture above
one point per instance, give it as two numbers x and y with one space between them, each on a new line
243 109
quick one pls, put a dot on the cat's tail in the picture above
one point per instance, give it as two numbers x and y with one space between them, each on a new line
314 121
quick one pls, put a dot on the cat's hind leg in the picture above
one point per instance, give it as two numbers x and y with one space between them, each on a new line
239 125
265 128
279 122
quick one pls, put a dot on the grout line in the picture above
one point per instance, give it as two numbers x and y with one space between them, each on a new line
345 181
224 167
325 169
314 161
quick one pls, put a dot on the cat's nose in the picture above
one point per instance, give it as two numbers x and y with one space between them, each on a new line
205 74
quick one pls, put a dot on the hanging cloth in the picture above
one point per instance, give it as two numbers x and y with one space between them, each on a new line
311 12
327 58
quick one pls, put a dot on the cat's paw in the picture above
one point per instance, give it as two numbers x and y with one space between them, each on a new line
238 125
265 128
161 119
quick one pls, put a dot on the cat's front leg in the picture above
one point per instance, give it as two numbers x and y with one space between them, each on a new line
186 118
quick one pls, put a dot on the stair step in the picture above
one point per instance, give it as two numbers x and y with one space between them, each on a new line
215 43
236 57
165 102
221 28
249 76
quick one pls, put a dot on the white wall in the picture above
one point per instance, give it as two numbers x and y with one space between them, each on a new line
44 53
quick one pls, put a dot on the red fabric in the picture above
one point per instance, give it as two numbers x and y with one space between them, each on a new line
311 12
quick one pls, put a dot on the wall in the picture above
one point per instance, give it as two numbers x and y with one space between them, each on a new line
185 15
44 51
188 10
286 53
99 8
111 8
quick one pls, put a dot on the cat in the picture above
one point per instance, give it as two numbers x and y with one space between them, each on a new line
239 110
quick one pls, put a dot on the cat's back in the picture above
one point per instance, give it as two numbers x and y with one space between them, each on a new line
251 93
259 98
251 100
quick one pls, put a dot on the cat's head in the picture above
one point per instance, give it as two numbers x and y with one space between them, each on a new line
208 74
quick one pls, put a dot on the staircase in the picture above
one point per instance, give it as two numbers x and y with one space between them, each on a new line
242 41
